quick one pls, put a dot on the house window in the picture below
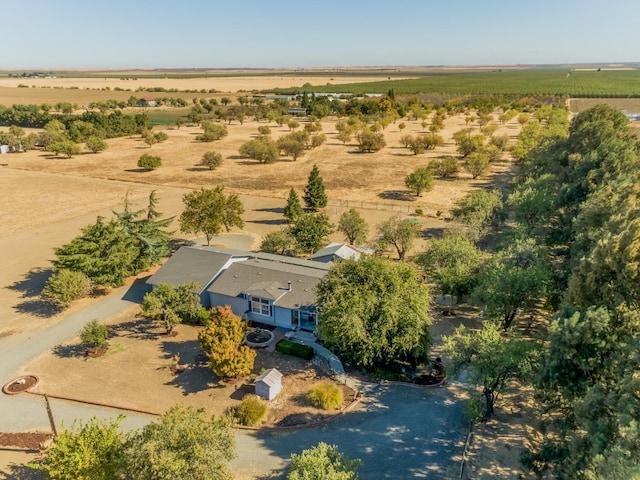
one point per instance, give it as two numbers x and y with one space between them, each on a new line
260 306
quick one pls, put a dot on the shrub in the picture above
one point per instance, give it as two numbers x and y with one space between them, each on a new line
211 160
65 286
149 162
95 333
326 395
292 348
251 411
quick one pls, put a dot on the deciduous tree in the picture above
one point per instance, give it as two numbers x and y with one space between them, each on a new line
65 286
211 160
222 340
183 443
420 180
354 227
322 462
400 233
310 231
209 210
374 311
173 305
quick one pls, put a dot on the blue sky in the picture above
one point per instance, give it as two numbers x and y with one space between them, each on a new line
284 33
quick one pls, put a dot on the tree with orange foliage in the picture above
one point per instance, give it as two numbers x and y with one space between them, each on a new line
222 342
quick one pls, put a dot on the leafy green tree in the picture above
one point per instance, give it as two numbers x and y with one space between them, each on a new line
150 139
493 359
91 451
369 142
477 164
513 279
182 444
452 263
65 286
103 252
96 144
420 180
469 144
173 305
264 130
445 168
222 340
66 147
208 210
322 462
95 333
344 136
315 196
400 233
293 210
479 209
149 162
310 231
293 124
212 132
354 227
211 160
264 150
280 242
533 201
374 311
291 147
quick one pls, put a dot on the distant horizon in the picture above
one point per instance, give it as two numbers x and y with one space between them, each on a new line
346 68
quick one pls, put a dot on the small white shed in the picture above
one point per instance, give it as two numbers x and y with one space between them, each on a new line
269 384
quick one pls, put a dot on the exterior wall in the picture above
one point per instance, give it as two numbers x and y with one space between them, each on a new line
282 317
268 393
238 305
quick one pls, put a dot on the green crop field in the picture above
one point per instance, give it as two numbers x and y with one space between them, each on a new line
611 83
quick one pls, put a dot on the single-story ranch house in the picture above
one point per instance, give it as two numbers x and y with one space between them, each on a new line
271 289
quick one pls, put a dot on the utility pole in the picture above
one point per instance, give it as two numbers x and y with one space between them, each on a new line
50 414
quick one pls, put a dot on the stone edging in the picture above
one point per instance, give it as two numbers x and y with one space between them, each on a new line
5 387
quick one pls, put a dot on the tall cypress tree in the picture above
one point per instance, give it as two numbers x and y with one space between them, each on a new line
315 196
293 210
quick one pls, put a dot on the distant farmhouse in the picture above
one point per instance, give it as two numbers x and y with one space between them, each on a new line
271 289
147 102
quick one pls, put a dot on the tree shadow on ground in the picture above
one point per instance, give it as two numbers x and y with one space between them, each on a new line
69 351
136 170
242 390
198 376
32 283
140 328
22 472
37 307
401 195
199 169
433 232
275 221
279 210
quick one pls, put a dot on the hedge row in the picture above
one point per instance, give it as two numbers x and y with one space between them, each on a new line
291 348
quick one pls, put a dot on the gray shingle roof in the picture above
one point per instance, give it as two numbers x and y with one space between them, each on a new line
270 377
250 276
199 264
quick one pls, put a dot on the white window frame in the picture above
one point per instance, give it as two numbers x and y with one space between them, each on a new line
261 306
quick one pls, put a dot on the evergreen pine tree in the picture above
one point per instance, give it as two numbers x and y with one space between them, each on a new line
293 210
315 196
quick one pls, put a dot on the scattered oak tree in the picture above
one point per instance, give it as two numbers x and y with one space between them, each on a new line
399 233
96 144
280 242
211 160
420 180
209 210
493 359
310 231
264 150
149 162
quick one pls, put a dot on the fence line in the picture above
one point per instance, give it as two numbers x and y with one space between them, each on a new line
393 207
